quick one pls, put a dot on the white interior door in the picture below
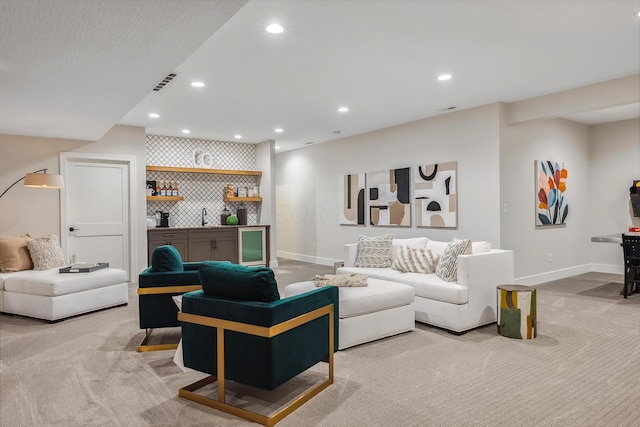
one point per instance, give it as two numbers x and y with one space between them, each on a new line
96 211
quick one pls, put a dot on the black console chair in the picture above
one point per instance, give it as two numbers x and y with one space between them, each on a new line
631 251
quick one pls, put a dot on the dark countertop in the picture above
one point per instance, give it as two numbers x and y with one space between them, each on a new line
205 227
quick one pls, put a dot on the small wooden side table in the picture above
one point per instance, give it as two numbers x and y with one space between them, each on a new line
517 311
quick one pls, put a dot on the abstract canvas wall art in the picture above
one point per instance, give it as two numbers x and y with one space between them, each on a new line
436 195
551 187
389 203
351 199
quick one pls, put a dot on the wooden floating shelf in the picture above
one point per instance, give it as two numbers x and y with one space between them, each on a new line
201 170
242 199
165 198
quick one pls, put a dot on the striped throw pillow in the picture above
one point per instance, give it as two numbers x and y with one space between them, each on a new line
374 252
447 268
415 260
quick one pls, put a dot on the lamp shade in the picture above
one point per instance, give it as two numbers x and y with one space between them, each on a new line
43 180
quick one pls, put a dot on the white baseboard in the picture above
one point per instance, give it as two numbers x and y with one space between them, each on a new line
607 268
308 258
549 276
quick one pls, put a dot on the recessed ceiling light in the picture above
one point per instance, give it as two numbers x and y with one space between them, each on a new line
197 84
277 147
343 109
279 130
638 14
443 77
154 115
186 131
238 136
274 28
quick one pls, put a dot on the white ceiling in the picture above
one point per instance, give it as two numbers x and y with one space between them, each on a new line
73 69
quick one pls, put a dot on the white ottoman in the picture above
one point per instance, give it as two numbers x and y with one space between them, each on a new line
53 296
368 313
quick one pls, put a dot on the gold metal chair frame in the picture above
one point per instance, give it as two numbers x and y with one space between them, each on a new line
143 347
188 392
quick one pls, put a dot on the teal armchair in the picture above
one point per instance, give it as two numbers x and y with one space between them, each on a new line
167 277
237 328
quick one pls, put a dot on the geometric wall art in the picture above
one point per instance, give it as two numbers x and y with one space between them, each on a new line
351 199
389 200
551 186
436 195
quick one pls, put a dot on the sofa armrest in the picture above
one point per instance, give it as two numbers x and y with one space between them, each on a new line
481 274
350 254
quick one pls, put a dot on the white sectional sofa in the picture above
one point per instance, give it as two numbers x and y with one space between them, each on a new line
53 296
456 306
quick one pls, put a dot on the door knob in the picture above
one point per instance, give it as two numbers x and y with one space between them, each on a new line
73 229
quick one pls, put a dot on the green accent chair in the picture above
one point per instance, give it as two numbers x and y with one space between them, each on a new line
167 277
237 328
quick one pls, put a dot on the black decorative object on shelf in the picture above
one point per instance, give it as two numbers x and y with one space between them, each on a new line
634 194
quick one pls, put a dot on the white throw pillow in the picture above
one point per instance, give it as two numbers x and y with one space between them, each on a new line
415 260
414 242
374 252
447 268
46 252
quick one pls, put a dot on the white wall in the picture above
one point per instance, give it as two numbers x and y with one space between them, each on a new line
265 162
521 144
615 163
307 181
26 210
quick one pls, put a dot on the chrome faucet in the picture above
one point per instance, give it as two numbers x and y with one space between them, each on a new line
204 214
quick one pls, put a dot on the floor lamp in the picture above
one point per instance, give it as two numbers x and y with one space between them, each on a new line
39 180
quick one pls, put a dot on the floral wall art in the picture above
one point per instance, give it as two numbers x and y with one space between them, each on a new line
389 202
351 200
551 187
436 197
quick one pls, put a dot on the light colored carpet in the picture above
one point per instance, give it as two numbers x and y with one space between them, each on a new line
581 370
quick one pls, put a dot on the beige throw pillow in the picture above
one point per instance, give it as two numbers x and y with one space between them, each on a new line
374 252
340 280
46 252
447 268
415 260
14 254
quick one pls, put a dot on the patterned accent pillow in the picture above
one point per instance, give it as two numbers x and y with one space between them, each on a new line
340 280
46 252
14 254
447 268
374 252
415 260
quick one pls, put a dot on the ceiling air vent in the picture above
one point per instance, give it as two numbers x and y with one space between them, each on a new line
165 82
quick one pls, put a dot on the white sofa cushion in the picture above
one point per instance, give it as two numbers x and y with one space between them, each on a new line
437 246
52 283
3 277
377 296
480 247
432 287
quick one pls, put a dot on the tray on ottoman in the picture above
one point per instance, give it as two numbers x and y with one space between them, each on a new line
84 269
